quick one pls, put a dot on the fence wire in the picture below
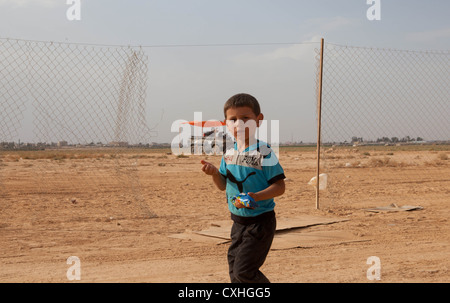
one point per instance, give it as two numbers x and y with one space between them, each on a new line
385 117
85 103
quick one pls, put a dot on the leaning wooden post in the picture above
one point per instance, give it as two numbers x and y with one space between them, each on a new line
319 120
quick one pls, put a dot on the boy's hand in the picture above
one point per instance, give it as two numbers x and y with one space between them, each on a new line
209 168
244 201
254 196
217 178
239 205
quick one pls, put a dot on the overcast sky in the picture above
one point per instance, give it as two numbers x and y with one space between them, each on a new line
187 79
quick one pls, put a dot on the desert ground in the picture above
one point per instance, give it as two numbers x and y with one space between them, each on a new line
117 213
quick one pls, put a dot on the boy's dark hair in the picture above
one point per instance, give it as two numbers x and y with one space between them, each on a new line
241 100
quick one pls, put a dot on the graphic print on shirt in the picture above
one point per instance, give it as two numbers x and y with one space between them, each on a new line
238 183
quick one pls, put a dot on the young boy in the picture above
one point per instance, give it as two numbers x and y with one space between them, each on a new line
249 167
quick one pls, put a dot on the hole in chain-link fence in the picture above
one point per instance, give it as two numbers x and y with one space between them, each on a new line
72 122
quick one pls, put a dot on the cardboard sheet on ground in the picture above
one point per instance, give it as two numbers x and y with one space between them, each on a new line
222 229
199 238
305 239
219 232
393 207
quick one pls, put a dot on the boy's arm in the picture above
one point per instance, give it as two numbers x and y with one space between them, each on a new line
217 177
274 190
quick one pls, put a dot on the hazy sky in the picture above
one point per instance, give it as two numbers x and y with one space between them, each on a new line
184 80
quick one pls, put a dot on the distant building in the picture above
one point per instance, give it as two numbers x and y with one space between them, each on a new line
118 144
62 143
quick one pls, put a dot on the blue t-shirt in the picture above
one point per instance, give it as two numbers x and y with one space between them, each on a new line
251 170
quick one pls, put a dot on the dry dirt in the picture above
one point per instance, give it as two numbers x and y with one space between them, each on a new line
85 206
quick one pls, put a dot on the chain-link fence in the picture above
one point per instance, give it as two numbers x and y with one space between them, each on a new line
85 103
385 121
384 113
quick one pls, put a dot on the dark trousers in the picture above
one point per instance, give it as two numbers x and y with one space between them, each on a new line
250 244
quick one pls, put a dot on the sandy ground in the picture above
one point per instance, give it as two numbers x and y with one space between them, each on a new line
116 215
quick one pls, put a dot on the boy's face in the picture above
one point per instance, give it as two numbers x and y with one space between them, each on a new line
242 122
